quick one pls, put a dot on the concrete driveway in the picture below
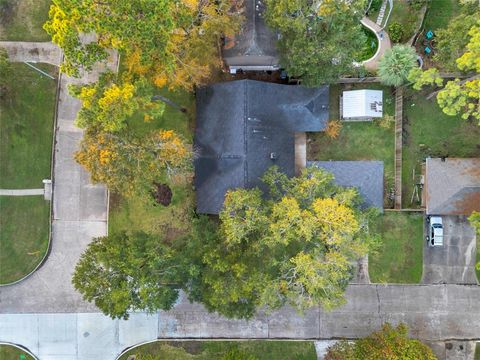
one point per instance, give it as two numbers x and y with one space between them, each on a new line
454 262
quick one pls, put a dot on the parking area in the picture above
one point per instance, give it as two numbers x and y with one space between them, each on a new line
454 262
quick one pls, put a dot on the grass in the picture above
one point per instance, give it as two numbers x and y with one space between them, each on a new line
8 352
440 12
26 128
133 214
22 20
23 235
216 350
399 258
407 16
357 141
477 351
430 132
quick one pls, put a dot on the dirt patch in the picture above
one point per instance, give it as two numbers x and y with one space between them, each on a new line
162 194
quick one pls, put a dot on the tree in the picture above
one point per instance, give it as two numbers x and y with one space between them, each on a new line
396 64
388 343
319 39
122 273
129 164
167 41
291 245
451 41
421 78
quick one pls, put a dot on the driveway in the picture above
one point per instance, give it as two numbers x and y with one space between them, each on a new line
454 262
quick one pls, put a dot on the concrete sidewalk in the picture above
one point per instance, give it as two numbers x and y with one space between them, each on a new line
21 192
432 312
42 52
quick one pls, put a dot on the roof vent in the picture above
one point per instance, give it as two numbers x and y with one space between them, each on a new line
273 156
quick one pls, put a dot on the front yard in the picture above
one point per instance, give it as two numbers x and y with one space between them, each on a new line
358 140
22 20
428 132
133 214
399 258
26 130
221 350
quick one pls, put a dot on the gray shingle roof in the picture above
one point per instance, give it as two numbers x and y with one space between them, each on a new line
366 176
452 186
240 124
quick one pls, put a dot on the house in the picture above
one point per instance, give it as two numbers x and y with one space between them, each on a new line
452 186
253 48
358 105
366 176
244 127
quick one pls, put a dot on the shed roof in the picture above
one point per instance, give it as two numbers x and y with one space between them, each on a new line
254 46
364 103
452 186
366 176
244 127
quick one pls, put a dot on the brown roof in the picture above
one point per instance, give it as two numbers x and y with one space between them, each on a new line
452 186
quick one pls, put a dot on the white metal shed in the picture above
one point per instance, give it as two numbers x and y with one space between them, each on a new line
362 104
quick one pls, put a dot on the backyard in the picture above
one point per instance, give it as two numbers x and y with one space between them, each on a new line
399 258
134 214
218 350
428 132
26 129
357 140
8 352
439 13
22 20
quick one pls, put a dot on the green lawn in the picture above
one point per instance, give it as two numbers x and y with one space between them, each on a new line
407 16
429 132
133 214
477 351
26 128
8 352
22 20
399 258
23 235
216 350
440 12
357 141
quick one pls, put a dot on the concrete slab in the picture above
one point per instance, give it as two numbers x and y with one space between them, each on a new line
57 335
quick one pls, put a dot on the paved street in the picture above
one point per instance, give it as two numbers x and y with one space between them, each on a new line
454 262
433 312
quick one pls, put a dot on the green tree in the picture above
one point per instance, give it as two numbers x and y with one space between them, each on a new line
319 39
421 78
131 164
293 245
127 272
168 41
388 343
396 64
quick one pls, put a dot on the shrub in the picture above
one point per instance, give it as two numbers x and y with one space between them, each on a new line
386 121
395 30
375 5
417 4
333 129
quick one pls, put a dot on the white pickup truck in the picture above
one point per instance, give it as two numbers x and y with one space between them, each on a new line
435 231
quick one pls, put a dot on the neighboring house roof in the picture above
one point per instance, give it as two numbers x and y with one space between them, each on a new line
253 48
244 127
452 186
362 104
366 176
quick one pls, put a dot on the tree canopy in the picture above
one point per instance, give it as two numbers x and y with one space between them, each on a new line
293 246
172 42
319 39
388 343
396 64
458 97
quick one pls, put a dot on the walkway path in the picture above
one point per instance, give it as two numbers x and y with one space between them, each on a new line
22 192
42 52
79 214
384 43
398 146
432 312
